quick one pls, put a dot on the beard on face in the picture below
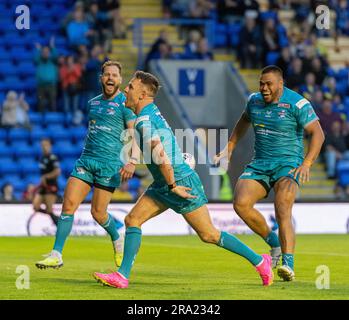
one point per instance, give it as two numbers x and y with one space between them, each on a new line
115 89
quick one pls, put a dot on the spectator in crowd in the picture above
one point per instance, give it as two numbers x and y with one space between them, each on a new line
111 8
317 99
192 43
336 148
7 193
90 76
78 30
203 51
46 60
295 76
200 9
319 70
309 87
29 192
329 85
102 25
327 116
15 111
154 51
270 38
250 47
70 76
284 60
342 17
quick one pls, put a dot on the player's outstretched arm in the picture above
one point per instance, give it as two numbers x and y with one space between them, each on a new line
161 158
317 138
238 132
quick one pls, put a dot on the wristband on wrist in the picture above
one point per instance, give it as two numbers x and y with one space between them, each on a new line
172 186
307 163
133 160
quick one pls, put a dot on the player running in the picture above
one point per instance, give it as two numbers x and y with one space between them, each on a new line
279 117
46 192
99 165
173 179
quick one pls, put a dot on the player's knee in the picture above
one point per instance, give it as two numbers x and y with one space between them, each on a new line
131 221
100 217
241 205
209 237
69 205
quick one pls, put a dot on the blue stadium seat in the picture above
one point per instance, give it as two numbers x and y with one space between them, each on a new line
343 172
35 117
67 166
32 179
6 151
29 166
234 34
272 57
19 134
19 185
54 118
62 181
23 150
26 67
221 31
8 167
38 134
78 133
65 149
3 134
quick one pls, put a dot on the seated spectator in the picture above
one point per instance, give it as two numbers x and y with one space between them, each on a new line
250 46
203 51
70 76
284 60
295 76
342 17
270 38
319 70
91 70
154 50
78 30
7 193
29 192
192 43
317 99
327 117
15 111
329 85
200 9
309 87
46 76
335 148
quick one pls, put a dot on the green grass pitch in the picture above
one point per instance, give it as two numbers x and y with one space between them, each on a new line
172 268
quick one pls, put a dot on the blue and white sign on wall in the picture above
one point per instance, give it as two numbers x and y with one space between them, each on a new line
191 82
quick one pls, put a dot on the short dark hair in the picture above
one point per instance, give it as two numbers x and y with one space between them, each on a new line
274 69
148 80
112 63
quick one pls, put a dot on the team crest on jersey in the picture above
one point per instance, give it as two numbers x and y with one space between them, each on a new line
284 105
268 114
95 103
110 111
113 104
282 114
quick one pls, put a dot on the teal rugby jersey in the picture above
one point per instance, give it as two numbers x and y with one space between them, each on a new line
151 125
279 127
107 120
